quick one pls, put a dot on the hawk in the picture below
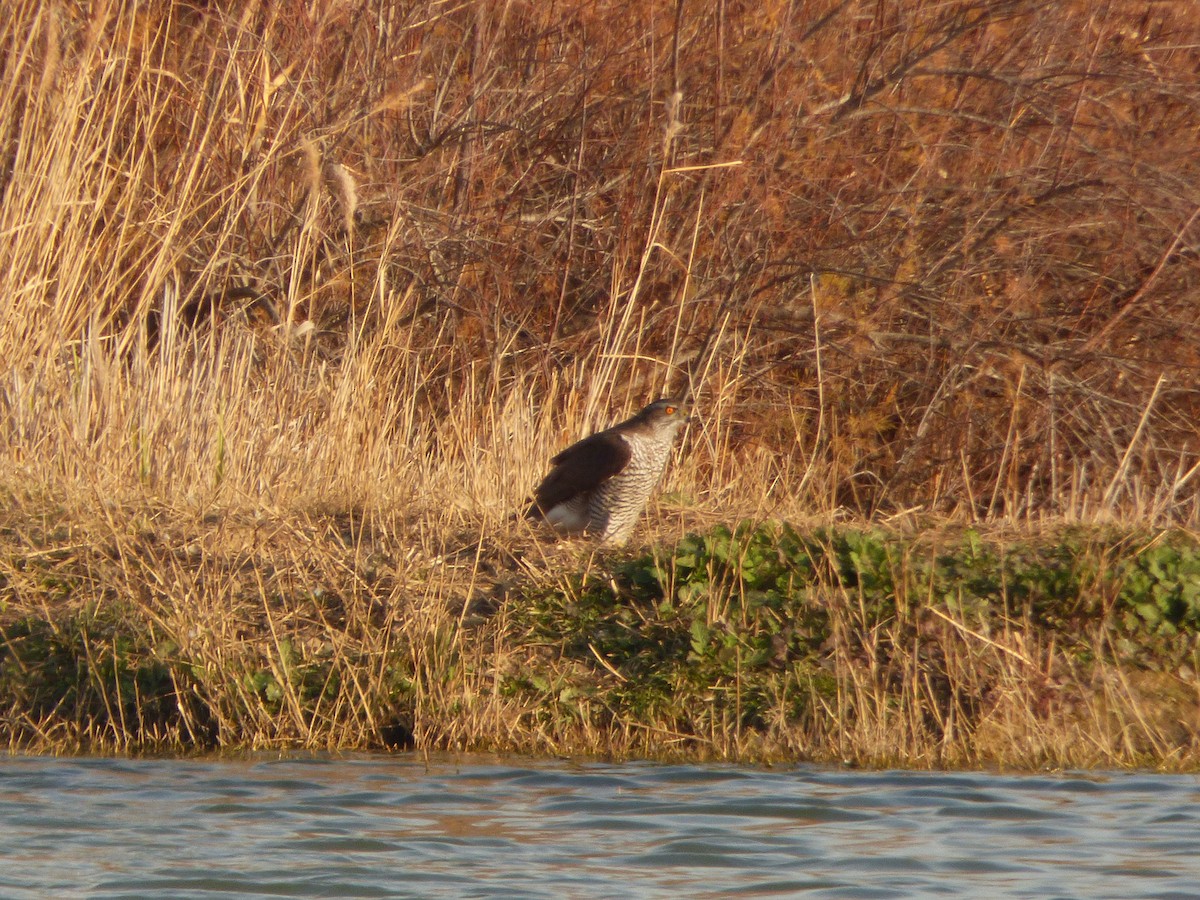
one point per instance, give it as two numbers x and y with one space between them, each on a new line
600 485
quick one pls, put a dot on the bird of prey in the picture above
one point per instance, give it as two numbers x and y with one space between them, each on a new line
600 485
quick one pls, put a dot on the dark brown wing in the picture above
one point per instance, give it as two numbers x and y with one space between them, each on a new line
581 467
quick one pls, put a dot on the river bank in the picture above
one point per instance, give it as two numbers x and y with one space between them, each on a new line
1070 647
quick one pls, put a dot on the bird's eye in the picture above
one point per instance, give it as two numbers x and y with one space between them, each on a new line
670 410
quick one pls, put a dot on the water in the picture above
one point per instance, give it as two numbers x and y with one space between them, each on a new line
378 826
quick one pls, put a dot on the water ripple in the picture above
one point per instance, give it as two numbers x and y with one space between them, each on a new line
392 826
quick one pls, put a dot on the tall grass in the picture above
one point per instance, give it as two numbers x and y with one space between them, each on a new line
299 297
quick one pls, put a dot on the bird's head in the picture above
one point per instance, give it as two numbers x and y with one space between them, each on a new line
668 413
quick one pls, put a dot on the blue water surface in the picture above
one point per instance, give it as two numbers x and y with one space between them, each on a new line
402 826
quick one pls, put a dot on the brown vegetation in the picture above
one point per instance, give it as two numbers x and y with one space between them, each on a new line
281 275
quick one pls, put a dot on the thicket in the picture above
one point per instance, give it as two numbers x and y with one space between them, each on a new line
905 254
